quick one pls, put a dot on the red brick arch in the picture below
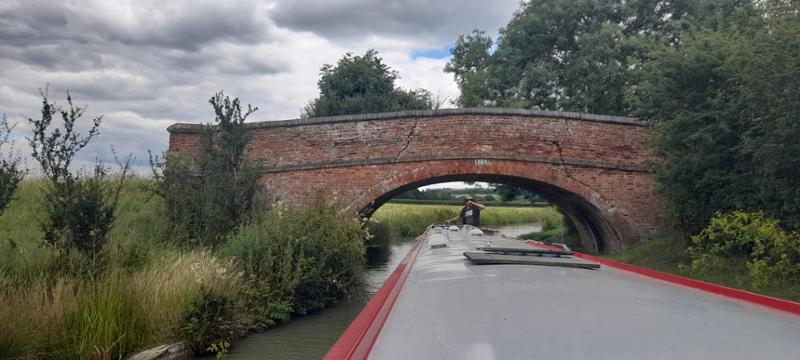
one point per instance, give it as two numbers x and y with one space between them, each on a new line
594 167
552 182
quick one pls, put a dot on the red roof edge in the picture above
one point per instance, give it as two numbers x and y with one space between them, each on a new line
786 306
357 340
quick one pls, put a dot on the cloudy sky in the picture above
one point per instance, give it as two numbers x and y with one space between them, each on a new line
145 64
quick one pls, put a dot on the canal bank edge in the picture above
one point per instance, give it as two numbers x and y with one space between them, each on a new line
176 351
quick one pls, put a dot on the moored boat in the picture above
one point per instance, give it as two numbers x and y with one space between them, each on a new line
468 293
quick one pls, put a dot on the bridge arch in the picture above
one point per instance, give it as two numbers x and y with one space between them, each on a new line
594 220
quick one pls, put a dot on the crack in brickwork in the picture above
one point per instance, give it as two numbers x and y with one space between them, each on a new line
409 137
564 163
389 174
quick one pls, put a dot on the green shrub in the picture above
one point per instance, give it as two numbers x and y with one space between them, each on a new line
209 195
210 320
80 209
770 253
11 172
308 258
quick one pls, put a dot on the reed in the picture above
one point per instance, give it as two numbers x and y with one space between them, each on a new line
411 219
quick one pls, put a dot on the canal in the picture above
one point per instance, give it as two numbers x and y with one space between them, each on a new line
310 337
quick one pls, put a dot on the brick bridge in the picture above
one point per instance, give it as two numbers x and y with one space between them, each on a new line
593 167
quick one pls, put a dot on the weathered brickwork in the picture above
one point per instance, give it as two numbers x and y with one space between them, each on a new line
594 167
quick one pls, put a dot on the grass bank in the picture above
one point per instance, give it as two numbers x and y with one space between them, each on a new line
411 219
148 290
668 254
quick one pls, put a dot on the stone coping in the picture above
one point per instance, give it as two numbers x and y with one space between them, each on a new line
194 128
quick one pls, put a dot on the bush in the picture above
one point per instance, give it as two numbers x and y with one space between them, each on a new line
210 321
208 196
307 258
80 209
10 171
770 253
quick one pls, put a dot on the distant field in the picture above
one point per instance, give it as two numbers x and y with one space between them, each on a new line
412 219
461 202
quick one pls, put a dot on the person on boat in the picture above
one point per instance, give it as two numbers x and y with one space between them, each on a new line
470 214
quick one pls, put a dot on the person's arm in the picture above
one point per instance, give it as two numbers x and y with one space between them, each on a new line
452 220
479 206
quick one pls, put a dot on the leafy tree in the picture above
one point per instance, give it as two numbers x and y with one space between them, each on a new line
768 97
81 209
723 104
363 84
510 193
469 67
10 171
578 55
208 196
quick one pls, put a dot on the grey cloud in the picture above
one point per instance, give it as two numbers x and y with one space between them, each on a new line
147 63
433 21
189 25
24 22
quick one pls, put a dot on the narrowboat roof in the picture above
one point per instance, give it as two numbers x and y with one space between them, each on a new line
451 308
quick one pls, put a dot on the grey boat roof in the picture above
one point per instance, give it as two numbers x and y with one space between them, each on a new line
450 308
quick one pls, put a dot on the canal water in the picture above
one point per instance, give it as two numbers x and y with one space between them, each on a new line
310 337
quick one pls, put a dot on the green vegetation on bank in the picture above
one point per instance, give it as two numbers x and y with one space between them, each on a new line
98 265
150 291
411 220
668 254
550 233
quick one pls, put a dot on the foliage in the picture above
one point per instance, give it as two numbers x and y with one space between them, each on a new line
80 208
221 348
209 321
308 258
148 287
469 66
668 254
57 316
10 171
550 235
208 196
771 254
511 193
723 104
579 55
363 84
110 324
563 55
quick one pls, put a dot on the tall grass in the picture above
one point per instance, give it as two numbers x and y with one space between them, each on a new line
66 318
149 291
412 219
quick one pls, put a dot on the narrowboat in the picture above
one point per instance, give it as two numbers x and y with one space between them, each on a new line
474 293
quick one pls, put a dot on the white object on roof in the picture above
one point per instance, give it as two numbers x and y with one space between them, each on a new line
453 228
437 240
475 232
